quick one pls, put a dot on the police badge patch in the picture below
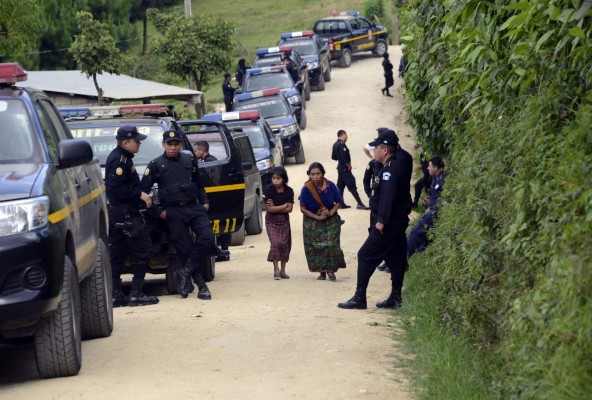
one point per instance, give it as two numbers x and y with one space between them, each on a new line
119 171
386 176
147 171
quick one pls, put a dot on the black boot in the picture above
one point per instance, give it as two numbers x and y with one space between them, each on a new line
203 293
357 302
183 275
119 298
393 301
223 257
137 297
388 93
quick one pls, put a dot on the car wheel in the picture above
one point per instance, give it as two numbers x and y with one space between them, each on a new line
303 120
327 73
96 297
254 224
307 90
207 267
381 48
299 157
58 337
171 275
321 83
346 58
238 238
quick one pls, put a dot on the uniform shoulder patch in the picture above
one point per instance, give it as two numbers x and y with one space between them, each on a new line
119 171
386 176
367 167
133 168
147 171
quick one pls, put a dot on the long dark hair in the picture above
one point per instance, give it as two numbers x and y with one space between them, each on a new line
317 165
281 172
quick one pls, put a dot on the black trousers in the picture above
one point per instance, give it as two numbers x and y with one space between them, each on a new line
138 248
346 179
188 219
391 247
228 104
417 240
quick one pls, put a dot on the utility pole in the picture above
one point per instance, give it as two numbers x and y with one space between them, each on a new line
188 8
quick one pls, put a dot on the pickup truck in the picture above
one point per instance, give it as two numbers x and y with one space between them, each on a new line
55 278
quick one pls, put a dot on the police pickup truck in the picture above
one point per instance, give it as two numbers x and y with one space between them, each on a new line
55 277
223 180
315 53
348 33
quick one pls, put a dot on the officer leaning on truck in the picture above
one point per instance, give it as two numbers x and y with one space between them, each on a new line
127 234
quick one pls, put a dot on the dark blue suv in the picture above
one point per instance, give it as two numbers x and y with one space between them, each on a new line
315 53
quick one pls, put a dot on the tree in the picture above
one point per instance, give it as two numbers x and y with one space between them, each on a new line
94 49
138 12
196 47
19 27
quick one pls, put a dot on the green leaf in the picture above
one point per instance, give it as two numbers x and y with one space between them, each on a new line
514 21
577 32
543 39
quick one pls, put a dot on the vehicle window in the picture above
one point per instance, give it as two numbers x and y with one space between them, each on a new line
365 24
330 27
102 141
48 132
245 150
255 134
268 108
303 47
267 61
216 140
55 118
354 24
17 135
266 81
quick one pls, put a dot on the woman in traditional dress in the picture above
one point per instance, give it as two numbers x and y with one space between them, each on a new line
319 201
279 198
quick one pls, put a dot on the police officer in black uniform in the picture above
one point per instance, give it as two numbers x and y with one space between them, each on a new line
286 59
127 233
345 177
386 240
185 208
228 92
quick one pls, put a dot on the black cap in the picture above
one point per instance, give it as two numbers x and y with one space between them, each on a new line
171 135
388 137
381 129
129 132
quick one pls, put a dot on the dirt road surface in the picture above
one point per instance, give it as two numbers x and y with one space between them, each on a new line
258 338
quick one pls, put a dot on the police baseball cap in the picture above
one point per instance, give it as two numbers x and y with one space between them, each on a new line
129 132
171 135
381 129
387 137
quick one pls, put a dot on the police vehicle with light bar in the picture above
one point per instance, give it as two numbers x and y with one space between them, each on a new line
348 33
275 108
257 79
267 149
55 278
315 53
271 56
223 180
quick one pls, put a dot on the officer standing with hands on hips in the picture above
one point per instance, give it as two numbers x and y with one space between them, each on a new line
127 233
386 240
345 178
183 197
228 92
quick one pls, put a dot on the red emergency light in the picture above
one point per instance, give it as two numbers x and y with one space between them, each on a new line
11 73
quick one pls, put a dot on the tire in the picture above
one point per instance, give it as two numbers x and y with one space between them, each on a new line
381 48
58 337
299 158
303 120
307 90
171 274
96 297
238 238
346 58
321 84
254 224
207 267
327 73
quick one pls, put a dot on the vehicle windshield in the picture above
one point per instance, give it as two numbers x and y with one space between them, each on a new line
102 140
255 133
17 135
268 107
267 61
303 47
266 81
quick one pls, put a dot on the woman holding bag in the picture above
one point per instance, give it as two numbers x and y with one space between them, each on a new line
319 201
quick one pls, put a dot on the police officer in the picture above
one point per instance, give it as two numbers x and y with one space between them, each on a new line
386 240
127 233
345 177
185 208
228 91
418 238
286 59
241 71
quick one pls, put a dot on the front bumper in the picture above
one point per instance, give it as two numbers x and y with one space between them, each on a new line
314 75
291 144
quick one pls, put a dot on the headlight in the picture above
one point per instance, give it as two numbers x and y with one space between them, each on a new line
264 164
313 65
290 130
294 99
23 215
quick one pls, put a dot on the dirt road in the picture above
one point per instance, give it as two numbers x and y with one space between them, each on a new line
258 338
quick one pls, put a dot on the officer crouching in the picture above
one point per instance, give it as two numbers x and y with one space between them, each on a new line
185 207
127 234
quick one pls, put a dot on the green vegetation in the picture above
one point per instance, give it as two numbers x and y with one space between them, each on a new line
19 27
503 90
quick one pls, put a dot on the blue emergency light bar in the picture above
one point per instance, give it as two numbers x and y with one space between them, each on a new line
290 35
273 50
257 93
113 111
344 13
263 70
233 116
75 112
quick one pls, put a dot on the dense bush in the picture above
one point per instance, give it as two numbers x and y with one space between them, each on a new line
374 10
503 89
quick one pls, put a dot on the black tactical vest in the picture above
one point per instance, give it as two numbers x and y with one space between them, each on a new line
175 185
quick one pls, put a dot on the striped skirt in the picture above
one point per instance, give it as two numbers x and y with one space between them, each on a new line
278 230
322 244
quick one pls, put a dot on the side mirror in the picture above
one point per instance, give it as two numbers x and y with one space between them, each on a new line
272 142
74 152
299 85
